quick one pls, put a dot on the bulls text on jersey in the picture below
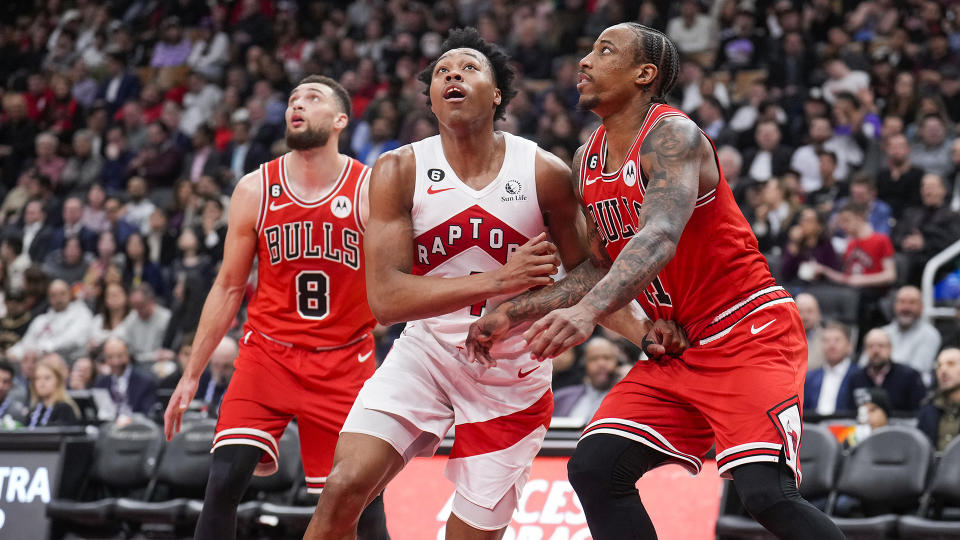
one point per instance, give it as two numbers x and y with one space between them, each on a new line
301 239
609 216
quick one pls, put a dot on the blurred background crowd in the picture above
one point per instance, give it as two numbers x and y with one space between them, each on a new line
125 125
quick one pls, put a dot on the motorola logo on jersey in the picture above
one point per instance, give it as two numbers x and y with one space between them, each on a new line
341 206
296 240
630 173
435 175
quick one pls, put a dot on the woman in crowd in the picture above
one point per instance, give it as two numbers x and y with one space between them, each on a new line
112 307
50 404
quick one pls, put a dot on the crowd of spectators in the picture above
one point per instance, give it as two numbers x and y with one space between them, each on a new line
125 125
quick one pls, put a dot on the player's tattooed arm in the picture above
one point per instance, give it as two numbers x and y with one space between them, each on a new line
671 154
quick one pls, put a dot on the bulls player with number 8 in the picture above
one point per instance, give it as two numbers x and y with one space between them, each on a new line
307 346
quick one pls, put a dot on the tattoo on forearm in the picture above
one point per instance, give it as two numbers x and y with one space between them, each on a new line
564 293
673 150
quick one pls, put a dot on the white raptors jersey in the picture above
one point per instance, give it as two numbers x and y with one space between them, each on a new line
460 231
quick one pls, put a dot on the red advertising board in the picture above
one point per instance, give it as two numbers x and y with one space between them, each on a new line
682 507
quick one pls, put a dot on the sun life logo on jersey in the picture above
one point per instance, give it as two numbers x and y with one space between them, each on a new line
512 187
341 206
630 173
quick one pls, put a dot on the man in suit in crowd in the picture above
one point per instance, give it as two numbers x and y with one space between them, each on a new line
902 383
133 390
827 389
601 358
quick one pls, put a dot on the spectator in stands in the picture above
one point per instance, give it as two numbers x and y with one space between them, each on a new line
772 217
67 263
806 160
807 243
903 384
926 229
116 166
199 102
863 191
214 380
161 240
873 412
11 408
73 227
117 225
132 390
94 216
813 327
84 168
567 369
243 155
119 86
710 117
134 127
106 258
933 149
939 418
173 49
840 78
868 265
47 162
37 235
14 259
205 158
17 133
693 32
139 269
51 406
161 160
176 364
212 230
827 389
63 329
144 326
831 189
82 374
139 207
14 324
112 307
601 358
768 158
899 183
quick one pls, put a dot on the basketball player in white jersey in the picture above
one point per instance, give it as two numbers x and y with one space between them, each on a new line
458 224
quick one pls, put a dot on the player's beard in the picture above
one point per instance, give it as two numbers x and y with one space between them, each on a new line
307 139
588 103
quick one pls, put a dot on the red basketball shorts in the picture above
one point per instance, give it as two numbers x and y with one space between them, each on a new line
742 391
273 383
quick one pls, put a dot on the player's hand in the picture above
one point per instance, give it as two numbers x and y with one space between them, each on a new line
665 338
483 333
530 266
559 330
179 401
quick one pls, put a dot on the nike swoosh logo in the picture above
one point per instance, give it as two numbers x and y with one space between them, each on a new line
521 373
590 180
275 206
363 357
431 191
754 330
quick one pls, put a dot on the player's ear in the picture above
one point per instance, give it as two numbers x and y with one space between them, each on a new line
646 74
497 97
341 121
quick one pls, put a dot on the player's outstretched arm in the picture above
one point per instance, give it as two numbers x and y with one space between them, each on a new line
225 295
671 154
394 293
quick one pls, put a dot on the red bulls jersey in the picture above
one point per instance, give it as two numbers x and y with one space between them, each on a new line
717 276
311 291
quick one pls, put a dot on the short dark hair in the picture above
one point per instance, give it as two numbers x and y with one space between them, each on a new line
655 47
863 180
854 208
503 73
829 154
6 365
346 107
840 327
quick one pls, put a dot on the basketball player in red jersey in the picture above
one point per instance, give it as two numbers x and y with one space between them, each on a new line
307 346
650 180
457 224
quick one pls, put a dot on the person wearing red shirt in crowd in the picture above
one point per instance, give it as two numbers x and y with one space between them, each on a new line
867 263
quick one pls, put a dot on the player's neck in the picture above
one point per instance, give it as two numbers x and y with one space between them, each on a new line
621 128
472 153
312 172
